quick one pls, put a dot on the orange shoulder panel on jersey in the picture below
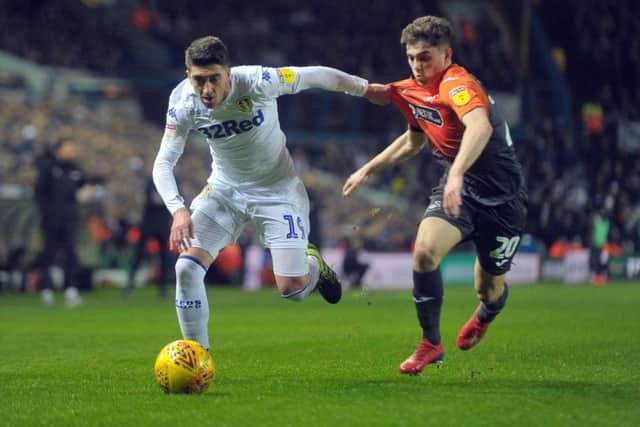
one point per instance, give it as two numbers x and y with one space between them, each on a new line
397 89
462 92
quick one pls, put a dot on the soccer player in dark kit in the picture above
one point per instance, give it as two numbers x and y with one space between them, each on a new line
481 196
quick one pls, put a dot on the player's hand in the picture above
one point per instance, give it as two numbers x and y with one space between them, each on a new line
453 195
181 230
378 94
353 182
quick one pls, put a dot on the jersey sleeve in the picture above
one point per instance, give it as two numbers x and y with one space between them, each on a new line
171 148
266 82
274 82
178 117
463 94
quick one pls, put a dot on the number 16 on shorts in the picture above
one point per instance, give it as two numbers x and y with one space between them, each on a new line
296 227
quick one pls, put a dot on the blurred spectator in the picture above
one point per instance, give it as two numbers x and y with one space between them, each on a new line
56 190
353 269
592 117
14 270
599 258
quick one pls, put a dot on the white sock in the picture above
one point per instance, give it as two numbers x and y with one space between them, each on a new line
192 305
314 273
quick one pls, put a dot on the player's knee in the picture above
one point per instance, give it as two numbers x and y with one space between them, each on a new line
188 270
426 258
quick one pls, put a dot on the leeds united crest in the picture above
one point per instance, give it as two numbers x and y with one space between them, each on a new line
245 104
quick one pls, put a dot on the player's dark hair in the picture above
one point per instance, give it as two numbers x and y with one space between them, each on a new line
434 30
205 51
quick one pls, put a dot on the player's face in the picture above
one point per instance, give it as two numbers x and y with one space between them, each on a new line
211 83
427 61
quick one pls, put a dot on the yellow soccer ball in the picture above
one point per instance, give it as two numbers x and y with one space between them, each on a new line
184 366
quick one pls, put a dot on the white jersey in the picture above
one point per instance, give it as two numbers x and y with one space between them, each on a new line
247 146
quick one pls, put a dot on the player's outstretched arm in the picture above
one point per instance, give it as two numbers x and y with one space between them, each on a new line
293 80
327 78
354 181
402 148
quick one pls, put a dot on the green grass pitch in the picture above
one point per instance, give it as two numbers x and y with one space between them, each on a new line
557 356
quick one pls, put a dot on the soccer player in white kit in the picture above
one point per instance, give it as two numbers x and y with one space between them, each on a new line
252 180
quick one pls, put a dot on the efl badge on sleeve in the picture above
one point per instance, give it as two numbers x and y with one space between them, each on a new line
286 75
460 96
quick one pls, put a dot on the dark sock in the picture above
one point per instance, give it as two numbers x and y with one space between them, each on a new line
427 295
488 312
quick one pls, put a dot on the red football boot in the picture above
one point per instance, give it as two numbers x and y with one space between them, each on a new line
471 333
425 354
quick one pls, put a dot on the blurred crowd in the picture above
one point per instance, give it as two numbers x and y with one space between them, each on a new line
107 34
67 35
570 175
111 144
598 46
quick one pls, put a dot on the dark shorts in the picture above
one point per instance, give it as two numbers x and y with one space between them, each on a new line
495 230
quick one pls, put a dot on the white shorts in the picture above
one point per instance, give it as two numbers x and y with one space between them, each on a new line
280 213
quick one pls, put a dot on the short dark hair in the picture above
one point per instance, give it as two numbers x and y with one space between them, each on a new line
206 51
434 30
